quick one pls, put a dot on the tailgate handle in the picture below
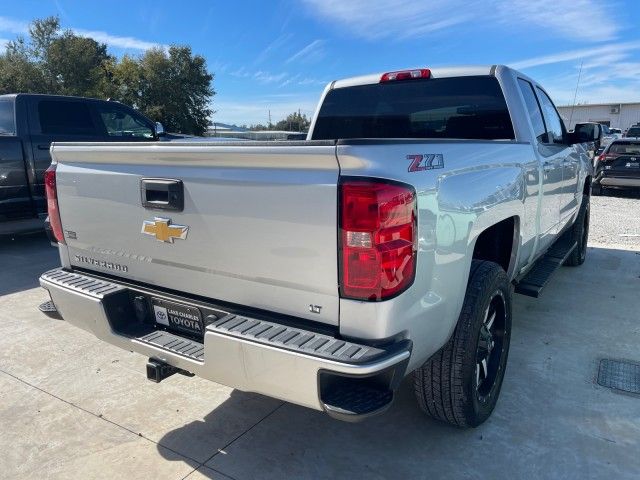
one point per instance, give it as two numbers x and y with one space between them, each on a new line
162 194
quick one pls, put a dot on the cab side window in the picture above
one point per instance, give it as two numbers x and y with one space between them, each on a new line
533 108
551 118
64 117
118 122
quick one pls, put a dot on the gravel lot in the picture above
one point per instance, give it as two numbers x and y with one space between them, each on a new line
73 407
615 219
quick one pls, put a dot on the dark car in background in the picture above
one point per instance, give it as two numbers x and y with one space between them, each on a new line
29 123
633 132
618 166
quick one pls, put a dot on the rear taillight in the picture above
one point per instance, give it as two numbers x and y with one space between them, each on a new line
607 157
52 203
378 245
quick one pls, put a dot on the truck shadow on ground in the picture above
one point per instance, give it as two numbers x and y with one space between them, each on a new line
308 438
549 421
23 259
622 193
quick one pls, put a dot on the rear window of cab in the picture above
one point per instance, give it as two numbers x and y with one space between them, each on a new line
631 148
457 107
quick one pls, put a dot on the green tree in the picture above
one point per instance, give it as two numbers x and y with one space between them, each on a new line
18 73
176 89
295 122
172 86
78 65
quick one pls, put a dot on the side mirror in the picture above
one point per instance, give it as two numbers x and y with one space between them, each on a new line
159 130
586 133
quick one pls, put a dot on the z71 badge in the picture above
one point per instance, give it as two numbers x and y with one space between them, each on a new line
429 161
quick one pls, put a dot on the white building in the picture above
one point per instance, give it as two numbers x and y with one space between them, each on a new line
616 115
218 129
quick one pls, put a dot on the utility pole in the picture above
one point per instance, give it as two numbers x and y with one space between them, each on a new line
269 119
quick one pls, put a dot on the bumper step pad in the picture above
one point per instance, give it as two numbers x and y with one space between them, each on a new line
81 283
174 343
295 339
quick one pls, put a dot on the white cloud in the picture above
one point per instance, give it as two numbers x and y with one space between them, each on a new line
400 19
10 25
272 48
602 52
375 19
127 43
609 73
310 53
266 77
589 20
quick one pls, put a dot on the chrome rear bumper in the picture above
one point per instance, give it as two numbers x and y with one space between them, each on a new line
346 379
620 181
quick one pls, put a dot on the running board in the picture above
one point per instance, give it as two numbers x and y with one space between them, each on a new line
537 278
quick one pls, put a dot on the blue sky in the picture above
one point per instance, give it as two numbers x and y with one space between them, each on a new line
278 55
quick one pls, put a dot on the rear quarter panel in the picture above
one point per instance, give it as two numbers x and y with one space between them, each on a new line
480 184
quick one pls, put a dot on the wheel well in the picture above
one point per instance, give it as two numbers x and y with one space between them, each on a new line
496 243
587 186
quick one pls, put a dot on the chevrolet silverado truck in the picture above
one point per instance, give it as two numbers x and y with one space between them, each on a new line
29 123
323 272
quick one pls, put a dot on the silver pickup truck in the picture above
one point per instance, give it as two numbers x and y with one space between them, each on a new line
324 272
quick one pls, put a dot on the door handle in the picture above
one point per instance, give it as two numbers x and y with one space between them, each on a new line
43 147
162 194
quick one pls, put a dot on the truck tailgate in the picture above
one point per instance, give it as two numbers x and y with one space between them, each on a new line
262 220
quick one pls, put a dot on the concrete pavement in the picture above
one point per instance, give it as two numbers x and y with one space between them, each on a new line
72 407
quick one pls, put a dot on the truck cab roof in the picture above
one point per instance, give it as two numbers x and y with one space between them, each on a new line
437 72
14 96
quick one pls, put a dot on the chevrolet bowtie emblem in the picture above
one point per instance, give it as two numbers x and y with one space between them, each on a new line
164 232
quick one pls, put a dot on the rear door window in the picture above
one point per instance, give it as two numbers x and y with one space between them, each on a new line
625 148
65 117
7 118
533 108
457 107
551 118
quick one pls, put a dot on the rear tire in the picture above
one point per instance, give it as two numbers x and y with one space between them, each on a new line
580 235
596 189
461 383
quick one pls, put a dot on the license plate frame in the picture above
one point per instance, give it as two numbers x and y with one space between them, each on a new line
176 316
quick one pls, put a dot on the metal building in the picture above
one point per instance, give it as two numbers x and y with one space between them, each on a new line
616 115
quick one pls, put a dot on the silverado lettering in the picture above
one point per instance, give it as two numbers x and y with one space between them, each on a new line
101 263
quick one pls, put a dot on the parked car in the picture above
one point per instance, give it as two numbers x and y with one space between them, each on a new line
609 135
618 166
633 132
29 123
323 272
